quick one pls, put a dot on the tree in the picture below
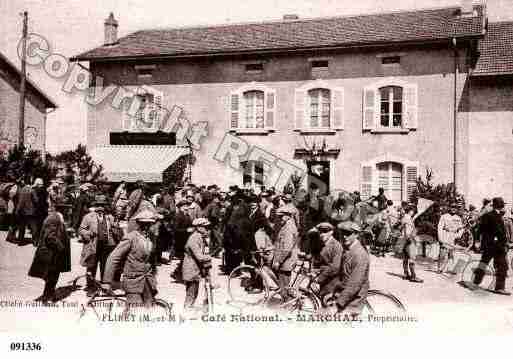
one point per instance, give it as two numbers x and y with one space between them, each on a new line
443 196
20 162
79 165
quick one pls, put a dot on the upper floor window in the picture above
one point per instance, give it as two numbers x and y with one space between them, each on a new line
320 108
391 60
391 106
252 108
256 67
147 116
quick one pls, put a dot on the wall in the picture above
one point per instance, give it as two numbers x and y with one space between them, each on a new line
202 88
9 112
491 138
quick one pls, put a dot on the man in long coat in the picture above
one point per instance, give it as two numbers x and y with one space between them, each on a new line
494 246
286 249
135 256
53 255
196 262
100 234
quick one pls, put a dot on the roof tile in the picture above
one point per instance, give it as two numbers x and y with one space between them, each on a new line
421 25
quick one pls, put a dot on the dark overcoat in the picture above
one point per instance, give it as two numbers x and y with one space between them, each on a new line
54 251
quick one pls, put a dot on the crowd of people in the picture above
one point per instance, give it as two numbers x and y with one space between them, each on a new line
127 235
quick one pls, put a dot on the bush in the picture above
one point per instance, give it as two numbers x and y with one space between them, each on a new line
443 196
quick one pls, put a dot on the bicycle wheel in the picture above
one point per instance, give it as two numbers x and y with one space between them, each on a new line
303 303
468 275
246 286
382 303
79 282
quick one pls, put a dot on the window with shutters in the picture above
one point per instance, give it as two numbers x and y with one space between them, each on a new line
252 109
396 175
148 115
390 178
319 107
390 106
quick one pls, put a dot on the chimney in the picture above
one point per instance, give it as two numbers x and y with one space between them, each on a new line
467 7
111 30
290 17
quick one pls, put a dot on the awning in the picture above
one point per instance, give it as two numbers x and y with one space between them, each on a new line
132 163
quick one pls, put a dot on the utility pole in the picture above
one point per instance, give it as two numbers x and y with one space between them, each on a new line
21 130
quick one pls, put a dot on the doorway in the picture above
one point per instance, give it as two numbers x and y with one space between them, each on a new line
319 176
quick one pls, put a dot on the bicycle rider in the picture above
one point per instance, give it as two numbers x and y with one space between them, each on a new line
353 284
327 255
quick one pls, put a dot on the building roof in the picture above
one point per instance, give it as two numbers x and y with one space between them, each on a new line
49 103
132 163
385 28
496 50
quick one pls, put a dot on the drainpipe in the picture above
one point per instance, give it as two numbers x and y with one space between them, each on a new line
455 114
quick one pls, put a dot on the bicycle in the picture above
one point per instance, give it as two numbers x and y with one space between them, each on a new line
304 298
112 305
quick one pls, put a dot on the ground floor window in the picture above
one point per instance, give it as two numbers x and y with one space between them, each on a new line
390 178
253 174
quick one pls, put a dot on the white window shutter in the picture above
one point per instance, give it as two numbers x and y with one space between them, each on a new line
411 106
300 109
370 108
126 119
270 108
157 108
235 99
412 174
366 184
337 105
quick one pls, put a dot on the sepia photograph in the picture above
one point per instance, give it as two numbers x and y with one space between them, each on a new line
296 165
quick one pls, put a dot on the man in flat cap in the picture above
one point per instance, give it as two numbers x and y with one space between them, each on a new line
494 246
327 255
286 249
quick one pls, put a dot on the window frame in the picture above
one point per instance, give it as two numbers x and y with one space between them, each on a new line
391 102
241 109
153 110
302 105
371 107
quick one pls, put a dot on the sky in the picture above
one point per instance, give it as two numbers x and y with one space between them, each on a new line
74 26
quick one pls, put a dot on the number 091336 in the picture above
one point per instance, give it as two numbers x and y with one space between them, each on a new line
28 346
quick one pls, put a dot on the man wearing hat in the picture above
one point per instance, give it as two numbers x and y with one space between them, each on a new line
286 249
30 210
327 255
182 223
135 256
100 233
450 228
196 262
135 199
353 281
494 246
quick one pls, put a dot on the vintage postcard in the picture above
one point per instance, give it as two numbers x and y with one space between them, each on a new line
168 166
